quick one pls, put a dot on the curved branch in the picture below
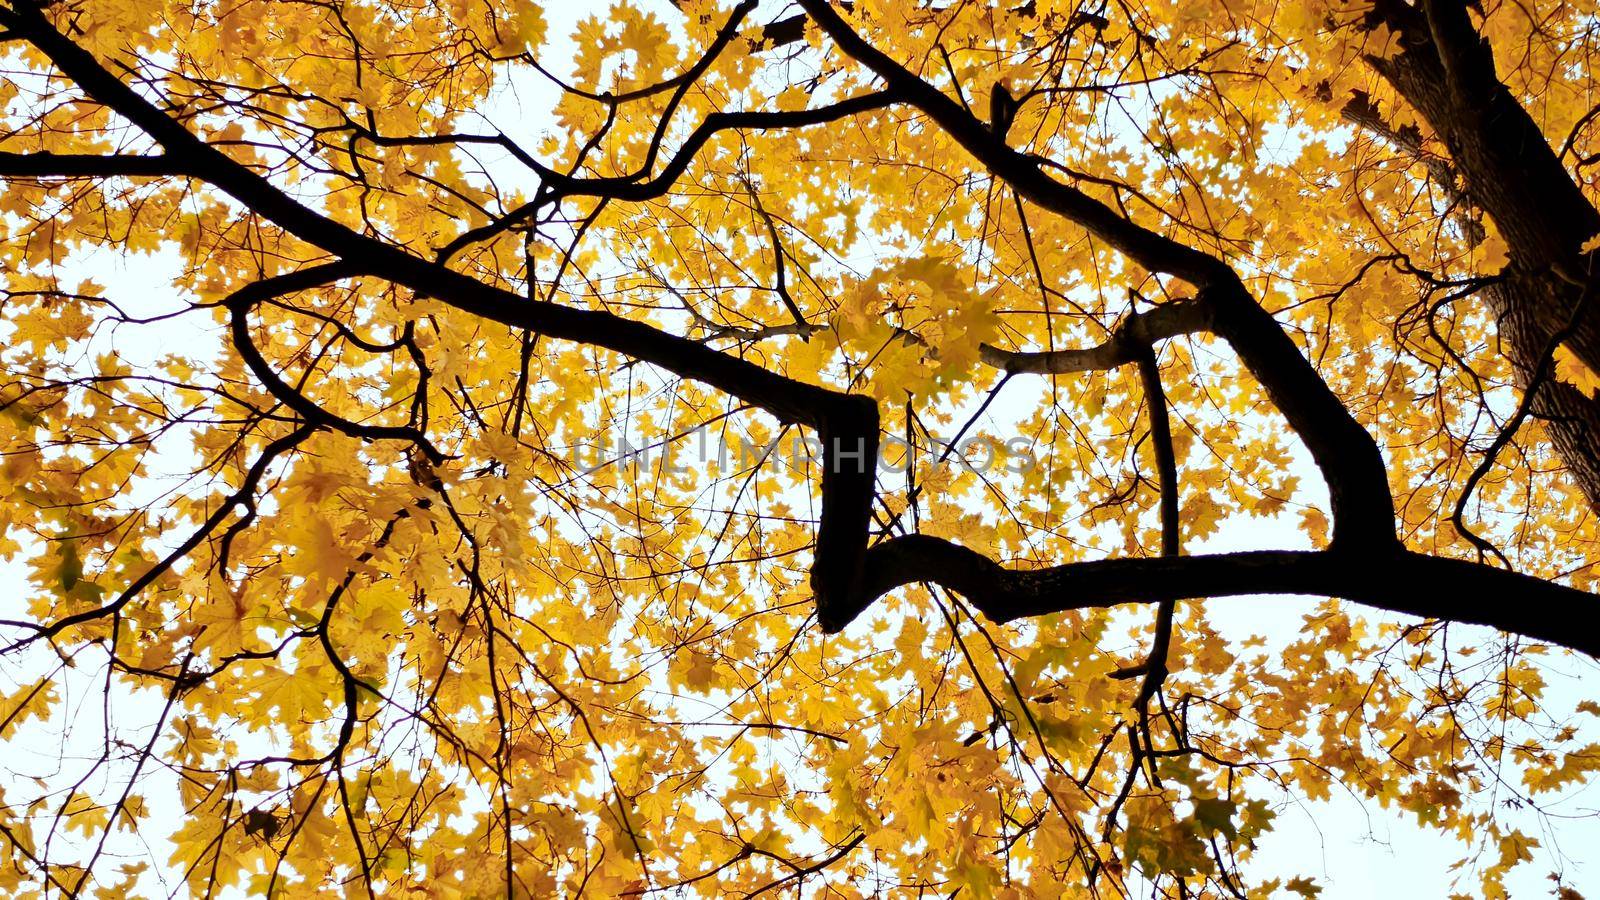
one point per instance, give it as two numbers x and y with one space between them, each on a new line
1155 667
556 186
239 305
630 188
1347 455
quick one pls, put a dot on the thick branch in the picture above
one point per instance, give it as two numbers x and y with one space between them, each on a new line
86 165
1397 581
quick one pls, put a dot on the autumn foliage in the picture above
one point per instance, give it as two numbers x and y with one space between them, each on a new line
697 450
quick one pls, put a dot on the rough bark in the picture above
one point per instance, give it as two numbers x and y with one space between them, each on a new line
1504 165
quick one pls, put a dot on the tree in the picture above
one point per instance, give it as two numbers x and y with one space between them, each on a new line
388 548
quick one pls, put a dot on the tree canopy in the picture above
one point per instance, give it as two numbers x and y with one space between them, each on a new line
784 448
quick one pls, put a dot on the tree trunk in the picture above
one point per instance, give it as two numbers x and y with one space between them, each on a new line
1507 168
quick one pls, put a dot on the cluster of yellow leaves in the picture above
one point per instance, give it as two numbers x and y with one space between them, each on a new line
916 328
618 658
